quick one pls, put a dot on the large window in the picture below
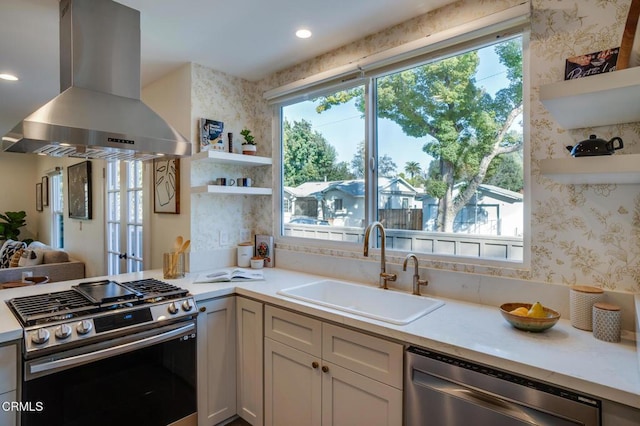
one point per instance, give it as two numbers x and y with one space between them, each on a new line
57 210
444 173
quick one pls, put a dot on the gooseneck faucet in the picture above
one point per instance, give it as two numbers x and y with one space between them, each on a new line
417 282
384 276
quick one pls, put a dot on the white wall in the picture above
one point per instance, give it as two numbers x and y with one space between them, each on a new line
170 97
84 239
18 189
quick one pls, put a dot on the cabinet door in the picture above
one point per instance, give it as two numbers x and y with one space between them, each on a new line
292 386
8 367
216 360
249 380
8 417
351 399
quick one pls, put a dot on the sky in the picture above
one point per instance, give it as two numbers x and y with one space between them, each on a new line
343 125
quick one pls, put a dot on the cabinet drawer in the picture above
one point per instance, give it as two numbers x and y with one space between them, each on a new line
295 330
370 356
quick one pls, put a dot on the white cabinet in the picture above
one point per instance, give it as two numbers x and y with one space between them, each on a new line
8 382
292 386
218 157
8 417
321 374
249 360
216 360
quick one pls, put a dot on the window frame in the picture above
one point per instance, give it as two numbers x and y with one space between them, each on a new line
369 81
56 191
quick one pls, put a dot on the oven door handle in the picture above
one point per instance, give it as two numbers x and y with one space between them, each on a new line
48 366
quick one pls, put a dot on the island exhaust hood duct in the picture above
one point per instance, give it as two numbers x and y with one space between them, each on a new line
98 113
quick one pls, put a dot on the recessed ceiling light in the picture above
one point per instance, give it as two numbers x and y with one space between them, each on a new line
8 77
303 33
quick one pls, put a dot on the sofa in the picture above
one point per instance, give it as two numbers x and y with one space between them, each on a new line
41 260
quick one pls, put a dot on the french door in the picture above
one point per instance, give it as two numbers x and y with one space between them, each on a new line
125 210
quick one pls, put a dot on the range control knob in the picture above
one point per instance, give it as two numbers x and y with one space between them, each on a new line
173 309
187 305
83 327
40 336
63 331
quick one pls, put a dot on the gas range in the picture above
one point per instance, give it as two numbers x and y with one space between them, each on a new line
97 311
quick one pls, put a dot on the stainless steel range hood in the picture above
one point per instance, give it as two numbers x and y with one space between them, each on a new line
98 113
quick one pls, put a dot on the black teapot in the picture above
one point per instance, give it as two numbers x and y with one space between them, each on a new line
595 146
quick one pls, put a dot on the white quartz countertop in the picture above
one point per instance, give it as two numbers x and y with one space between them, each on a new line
562 355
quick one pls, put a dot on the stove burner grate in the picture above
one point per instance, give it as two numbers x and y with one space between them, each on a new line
68 304
155 289
48 307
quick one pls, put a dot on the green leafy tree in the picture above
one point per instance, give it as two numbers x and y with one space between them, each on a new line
506 172
386 166
465 127
308 156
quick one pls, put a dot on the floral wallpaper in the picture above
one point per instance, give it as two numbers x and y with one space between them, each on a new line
580 234
233 101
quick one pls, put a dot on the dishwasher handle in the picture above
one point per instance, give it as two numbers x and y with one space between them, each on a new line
482 399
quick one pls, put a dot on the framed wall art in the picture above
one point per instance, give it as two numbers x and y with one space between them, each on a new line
166 185
39 197
79 182
45 191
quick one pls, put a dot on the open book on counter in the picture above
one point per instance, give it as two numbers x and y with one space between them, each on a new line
230 274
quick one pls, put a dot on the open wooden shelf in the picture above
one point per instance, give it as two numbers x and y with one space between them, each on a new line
230 190
618 169
599 100
230 158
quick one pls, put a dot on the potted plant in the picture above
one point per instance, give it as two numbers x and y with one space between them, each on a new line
249 144
10 225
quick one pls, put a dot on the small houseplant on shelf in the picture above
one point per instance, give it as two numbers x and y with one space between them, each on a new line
249 144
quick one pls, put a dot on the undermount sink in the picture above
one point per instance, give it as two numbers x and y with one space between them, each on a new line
371 302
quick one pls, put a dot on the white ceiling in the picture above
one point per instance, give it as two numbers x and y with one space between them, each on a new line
246 38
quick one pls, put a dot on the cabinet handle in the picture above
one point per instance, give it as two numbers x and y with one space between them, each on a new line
325 368
203 309
315 364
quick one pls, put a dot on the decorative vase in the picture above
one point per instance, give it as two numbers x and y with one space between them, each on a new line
248 149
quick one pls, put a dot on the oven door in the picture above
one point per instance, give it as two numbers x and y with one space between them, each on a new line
144 379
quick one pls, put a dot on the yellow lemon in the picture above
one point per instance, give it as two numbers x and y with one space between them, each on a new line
521 311
536 311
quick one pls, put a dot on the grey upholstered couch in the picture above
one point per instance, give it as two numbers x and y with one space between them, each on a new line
39 259
71 270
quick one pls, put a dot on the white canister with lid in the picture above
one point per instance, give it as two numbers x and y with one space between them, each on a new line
245 253
581 300
606 322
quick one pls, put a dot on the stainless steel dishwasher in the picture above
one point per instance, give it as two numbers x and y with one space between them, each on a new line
441 390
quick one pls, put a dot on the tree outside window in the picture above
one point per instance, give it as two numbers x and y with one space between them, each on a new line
449 144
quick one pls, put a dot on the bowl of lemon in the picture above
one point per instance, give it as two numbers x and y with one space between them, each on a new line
529 317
